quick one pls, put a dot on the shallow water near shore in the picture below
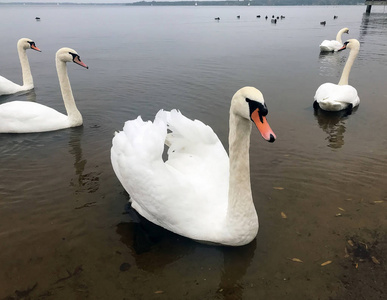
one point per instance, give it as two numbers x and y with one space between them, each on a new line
66 231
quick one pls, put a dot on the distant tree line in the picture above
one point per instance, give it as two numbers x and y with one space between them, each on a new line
252 2
201 2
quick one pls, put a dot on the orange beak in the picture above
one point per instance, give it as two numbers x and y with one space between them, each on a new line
78 61
35 48
263 126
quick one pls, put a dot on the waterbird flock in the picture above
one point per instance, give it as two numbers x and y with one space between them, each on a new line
199 191
273 18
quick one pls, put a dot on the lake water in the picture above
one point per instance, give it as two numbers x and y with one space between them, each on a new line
65 230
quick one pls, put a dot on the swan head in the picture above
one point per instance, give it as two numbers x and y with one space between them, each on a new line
26 43
70 55
345 30
351 44
248 103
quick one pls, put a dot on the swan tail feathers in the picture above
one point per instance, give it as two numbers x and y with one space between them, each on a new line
330 46
186 134
333 97
144 139
137 148
136 157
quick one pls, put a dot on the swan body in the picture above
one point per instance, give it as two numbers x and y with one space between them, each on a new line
335 97
333 45
8 87
25 117
198 192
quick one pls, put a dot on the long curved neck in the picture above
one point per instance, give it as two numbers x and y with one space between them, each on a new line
240 200
75 117
25 65
348 65
338 36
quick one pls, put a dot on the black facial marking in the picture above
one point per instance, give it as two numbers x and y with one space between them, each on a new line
344 46
262 108
75 56
31 43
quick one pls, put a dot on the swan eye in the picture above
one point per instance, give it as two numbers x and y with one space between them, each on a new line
76 57
254 105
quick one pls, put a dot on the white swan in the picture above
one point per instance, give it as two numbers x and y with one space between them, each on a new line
24 117
333 45
335 97
8 87
198 192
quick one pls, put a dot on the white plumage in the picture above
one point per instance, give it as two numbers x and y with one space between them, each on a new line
333 45
335 97
198 192
25 117
8 87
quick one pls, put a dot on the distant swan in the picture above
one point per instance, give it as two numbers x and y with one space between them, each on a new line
333 45
335 97
198 192
8 87
24 117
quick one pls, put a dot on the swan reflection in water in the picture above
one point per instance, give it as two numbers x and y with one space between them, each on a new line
29 95
234 269
333 123
154 248
331 63
83 183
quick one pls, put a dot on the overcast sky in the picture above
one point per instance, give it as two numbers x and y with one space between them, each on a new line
81 1
87 1
76 1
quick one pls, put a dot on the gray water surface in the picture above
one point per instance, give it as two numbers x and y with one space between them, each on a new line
65 230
